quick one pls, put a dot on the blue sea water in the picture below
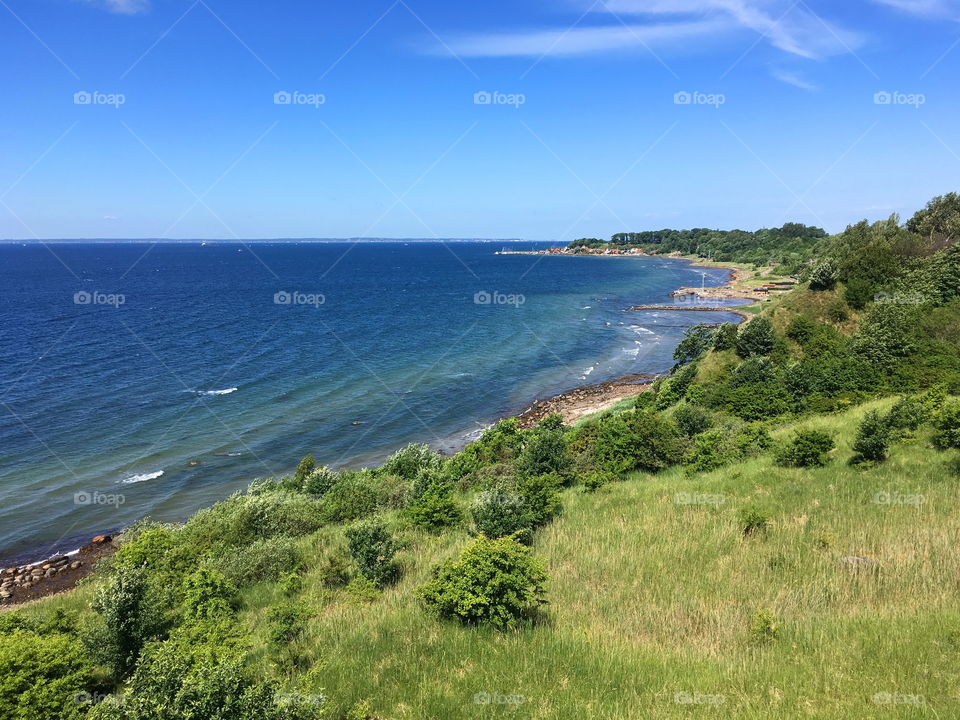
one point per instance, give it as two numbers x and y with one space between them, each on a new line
140 379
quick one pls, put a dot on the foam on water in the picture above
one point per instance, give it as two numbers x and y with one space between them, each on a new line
142 477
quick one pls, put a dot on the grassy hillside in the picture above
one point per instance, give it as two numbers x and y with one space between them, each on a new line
653 588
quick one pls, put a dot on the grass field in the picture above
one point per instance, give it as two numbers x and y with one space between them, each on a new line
653 587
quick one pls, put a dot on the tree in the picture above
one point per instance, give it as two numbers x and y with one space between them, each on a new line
545 450
498 582
304 468
824 275
696 341
435 507
756 337
939 221
725 337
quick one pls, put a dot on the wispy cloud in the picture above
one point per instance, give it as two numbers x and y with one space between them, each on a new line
785 24
122 7
925 8
578 41
792 78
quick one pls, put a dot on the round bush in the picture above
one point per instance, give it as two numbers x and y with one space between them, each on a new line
497 582
809 448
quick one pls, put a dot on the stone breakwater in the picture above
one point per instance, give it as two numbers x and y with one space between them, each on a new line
23 583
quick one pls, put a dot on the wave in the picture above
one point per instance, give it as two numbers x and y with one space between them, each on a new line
226 391
142 477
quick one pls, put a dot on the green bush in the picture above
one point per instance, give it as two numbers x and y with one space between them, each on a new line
502 511
411 461
672 390
145 546
241 519
286 622
873 438
695 343
497 582
129 616
208 594
306 466
801 329
637 440
764 627
824 275
352 497
753 520
435 508
43 676
188 681
731 443
755 337
947 427
808 448
545 450
540 496
373 549
319 481
692 419
596 479
261 560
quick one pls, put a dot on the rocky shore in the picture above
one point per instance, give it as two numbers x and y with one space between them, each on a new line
23 583
586 399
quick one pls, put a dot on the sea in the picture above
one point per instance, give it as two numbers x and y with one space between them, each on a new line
153 379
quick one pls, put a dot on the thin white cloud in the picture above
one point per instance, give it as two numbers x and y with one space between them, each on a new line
785 24
122 7
578 41
925 8
792 78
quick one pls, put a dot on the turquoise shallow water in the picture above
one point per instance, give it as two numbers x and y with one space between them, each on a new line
154 380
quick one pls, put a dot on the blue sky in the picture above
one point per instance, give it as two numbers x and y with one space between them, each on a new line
160 118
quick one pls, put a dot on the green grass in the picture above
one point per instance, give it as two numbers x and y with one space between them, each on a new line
651 597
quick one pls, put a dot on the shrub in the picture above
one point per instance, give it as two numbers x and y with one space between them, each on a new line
372 549
198 681
411 460
873 438
753 520
319 481
808 448
304 468
241 519
541 498
502 511
147 546
756 337
824 275
208 594
545 450
637 440
435 509
43 676
129 617
725 445
596 479
672 390
352 497
692 419
764 627
291 584
947 427
261 560
497 582
801 329
286 622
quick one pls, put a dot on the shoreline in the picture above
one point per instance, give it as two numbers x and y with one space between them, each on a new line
572 405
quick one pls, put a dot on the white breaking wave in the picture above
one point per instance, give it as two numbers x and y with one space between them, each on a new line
227 391
143 477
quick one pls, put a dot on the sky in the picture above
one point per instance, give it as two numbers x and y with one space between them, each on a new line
535 119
